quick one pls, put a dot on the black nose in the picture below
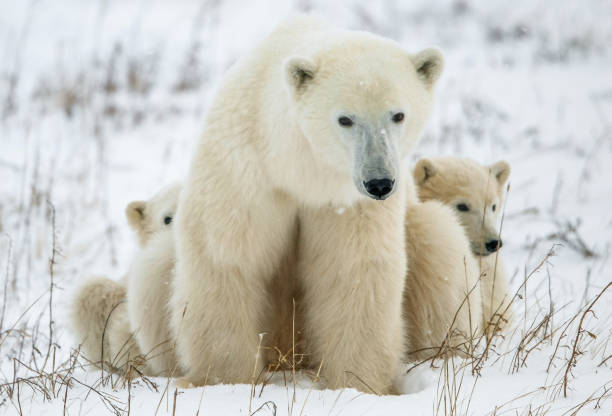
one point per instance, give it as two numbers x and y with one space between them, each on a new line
379 188
493 245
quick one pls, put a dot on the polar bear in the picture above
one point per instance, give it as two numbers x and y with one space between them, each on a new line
149 218
308 128
100 323
442 297
149 279
149 282
126 322
476 194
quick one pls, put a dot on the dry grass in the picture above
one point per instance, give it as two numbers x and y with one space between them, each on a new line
41 375
116 92
37 372
454 395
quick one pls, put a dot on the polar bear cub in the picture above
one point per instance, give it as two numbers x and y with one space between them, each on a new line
149 278
442 299
476 194
149 218
126 322
100 323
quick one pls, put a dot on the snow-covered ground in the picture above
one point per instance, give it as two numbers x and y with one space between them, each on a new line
101 103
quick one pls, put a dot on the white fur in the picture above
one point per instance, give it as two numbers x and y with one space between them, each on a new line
148 291
442 299
149 282
130 318
454 181
272 154
99 320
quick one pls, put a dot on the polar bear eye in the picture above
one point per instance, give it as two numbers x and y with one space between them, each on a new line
167 220
463 207
493 208
345 121
398 117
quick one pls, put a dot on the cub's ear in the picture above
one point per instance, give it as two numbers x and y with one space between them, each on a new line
134 213
501 171
423 171
299 72
429 64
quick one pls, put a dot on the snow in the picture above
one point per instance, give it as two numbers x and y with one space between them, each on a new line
101 103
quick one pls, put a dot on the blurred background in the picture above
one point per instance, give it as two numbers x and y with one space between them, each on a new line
102 102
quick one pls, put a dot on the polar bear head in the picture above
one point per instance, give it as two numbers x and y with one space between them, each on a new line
155 215
474 191
361 102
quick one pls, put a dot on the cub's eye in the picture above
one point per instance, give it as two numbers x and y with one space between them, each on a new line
345 121
167 220
463 207
398 117
494 207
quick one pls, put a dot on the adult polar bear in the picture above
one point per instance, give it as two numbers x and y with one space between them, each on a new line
313 120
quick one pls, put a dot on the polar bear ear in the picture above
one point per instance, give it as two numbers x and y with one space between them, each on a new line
501 172
135 212
299 72
429 64
423 171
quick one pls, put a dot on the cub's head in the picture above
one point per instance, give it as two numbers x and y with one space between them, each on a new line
361 102
474 191
155 215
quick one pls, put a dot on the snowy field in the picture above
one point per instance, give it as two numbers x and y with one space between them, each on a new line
101 103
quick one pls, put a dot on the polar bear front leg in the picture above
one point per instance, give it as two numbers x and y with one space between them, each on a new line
353 268
496 299
226 254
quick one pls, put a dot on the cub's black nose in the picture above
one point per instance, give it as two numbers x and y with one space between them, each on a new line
379 188
493 245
